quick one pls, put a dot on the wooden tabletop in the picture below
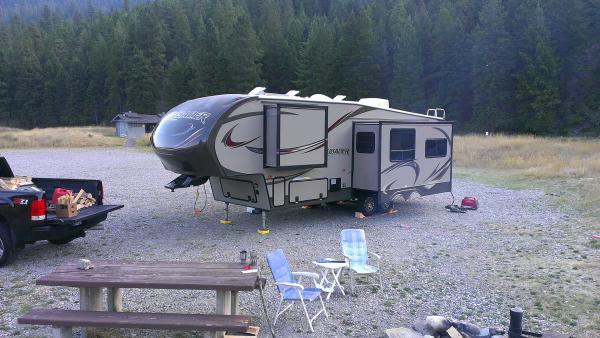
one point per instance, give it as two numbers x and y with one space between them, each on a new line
154 275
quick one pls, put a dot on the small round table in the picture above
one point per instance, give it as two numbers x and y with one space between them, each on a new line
334 268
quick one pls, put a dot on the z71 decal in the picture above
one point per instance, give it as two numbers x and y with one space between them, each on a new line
20 201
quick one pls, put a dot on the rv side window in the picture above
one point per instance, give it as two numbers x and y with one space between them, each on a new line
365 142
402 144
436 148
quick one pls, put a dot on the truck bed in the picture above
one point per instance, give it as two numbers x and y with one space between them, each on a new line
84 215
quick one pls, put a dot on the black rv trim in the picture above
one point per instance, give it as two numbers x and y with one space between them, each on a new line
451 153
379 161
352 159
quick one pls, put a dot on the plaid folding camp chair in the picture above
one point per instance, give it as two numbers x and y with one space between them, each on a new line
354 249
291 290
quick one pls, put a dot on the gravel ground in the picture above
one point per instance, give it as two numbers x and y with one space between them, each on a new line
462 265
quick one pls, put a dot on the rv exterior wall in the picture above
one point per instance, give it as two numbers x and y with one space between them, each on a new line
244 150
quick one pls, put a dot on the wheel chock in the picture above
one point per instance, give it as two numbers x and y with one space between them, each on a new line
359 215
392 211
225 221
263 231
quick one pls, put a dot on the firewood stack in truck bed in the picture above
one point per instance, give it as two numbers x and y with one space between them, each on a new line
14 183
82 199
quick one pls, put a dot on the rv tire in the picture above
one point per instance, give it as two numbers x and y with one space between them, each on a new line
367 204
385 207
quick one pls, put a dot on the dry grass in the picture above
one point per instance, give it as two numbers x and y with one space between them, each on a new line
568 170
145 141
67 137
535 157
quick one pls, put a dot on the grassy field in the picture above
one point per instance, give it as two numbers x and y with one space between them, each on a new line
65 137
568 171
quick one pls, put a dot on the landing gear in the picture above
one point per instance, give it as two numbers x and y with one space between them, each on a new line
263 229
226 220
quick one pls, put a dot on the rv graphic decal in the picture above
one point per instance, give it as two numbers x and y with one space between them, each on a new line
347 116
439 172
233 144
307 147
414 165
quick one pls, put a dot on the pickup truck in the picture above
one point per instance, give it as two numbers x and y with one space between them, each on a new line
24 216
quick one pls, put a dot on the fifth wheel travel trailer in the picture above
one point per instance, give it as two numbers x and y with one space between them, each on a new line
275 151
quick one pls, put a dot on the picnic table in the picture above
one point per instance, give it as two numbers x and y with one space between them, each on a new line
227 279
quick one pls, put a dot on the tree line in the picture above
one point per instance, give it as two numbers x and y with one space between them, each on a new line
516 66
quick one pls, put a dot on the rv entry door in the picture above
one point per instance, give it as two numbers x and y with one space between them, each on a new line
365 156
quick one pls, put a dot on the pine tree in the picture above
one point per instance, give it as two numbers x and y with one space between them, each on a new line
141 88
317 60
177 79
276 61
407 70
492 63
538 95
357 69
449 80
243 56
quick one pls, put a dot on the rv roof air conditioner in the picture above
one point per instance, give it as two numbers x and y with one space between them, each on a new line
375 102
257 91
320 97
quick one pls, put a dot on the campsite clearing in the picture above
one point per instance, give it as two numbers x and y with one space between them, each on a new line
520 248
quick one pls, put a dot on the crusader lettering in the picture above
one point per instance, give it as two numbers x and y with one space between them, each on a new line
191 115
339 151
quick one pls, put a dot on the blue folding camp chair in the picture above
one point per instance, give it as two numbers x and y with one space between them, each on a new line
292 290
354 249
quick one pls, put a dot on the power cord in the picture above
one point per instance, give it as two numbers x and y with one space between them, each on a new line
197 211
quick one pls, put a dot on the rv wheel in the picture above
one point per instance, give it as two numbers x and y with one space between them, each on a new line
7 250
367 204
385 207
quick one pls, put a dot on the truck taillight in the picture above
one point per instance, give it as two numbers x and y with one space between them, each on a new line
38 210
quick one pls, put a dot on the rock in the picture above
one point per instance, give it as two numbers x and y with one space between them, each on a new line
402 332
420 325
85 264
438 323
468 328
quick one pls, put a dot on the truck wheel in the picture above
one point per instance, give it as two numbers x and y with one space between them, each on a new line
367 204
7 249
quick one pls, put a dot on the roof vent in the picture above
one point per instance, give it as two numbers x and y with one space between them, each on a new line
292 93
375 102
339 98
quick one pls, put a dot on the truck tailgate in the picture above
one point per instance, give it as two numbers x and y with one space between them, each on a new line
84 215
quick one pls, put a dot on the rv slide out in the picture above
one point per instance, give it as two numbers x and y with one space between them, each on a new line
275 151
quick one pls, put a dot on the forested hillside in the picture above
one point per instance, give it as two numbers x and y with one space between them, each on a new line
497 65
30 10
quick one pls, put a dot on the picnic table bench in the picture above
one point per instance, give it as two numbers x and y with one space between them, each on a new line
226 278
